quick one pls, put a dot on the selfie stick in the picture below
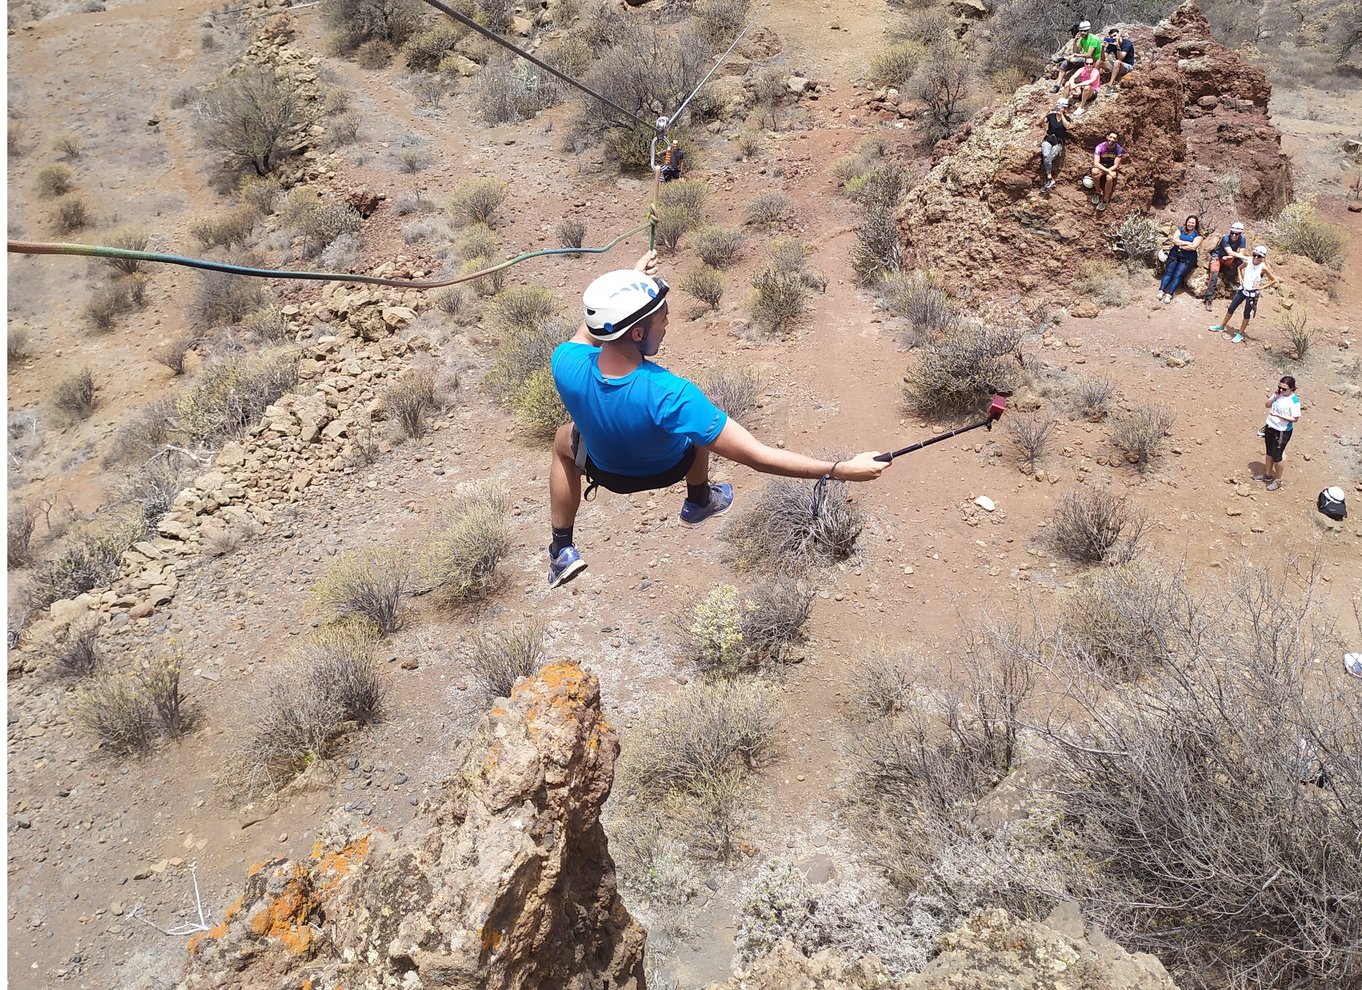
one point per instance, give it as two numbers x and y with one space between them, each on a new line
996 409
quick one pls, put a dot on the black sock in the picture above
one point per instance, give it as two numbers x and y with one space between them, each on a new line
561 538
698 494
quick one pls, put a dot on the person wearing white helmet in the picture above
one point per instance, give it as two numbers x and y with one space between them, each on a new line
1224 258
1057 124
1257 276
638 427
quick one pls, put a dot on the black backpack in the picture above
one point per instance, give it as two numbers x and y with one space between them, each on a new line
1332 505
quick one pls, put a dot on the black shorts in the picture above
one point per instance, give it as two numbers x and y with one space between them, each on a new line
628 484
1276 442
1250 300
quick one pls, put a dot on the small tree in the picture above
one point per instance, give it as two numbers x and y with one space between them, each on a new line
942 83
251 116
357 21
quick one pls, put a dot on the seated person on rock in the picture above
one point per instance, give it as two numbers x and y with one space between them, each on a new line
1085 84
1106 162
1119 56
1181 257
1225 257
637 427
1057 124
1083 45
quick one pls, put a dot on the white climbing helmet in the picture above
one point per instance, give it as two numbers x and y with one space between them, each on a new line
1084 26
1061 103
1260 251
1237 227
1088 183
618 300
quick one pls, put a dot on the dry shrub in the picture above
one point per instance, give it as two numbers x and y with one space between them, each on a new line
143 434
476 241
702 732
498 657
261 192
769 207
882 184
129 711
268 324
90 560
673 223
1029 435
895 65
868 153
728 632
325 224
343 129
478 200
881 682
55 180
76 653
705 284
76 395
1141 435
1091 397
425 51
452 301
525 306
111 301
18 346
411 400
1137 239
388 22
368 586
718 22
71 215
1099 281
172 354
539 409
520 379
151 488
749 144
509 89
1095 526
780 290
960 364
879 248
463 554
226 228
255 117
412 202
1295 327
412 160
1122 619
221 299
231 395
21 520
127 239
792 525
737 391
571 232
1301 230
486 285
685 194
920 298
718 247
333 684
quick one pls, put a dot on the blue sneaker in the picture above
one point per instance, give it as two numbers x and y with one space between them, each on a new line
720 500
566 566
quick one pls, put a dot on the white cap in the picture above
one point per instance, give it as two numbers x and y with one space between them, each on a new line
1084 26
1061 102
1237 227
1260 250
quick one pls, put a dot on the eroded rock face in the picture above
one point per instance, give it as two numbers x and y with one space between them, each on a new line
504 882
992 950
1193 118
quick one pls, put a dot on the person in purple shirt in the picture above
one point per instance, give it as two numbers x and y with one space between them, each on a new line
1106 161
638 427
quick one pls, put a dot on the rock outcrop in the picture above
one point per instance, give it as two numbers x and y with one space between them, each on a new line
502 883
1193 118
992 950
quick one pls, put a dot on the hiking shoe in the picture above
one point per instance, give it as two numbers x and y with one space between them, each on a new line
1207 304
1274 485
1262 477
1237 339
1101 208
1049 184
1262 435
720 499
566 566
1216 327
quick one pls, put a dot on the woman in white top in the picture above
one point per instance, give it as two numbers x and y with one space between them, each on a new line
1256 277
1283 410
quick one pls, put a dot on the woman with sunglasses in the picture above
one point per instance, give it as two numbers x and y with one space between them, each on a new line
1283 411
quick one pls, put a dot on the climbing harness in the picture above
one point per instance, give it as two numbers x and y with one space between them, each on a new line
99 251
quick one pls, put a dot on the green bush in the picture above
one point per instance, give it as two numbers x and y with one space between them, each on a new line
895 65
477 240
1301 230
705 284
727 633
539 409
718 247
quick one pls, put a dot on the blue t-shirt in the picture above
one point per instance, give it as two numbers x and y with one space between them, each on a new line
636 425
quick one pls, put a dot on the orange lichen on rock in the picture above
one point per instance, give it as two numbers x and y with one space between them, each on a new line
217 931
285 918
560 689
332 867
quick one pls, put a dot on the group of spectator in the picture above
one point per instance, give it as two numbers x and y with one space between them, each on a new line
1080 64
1231 257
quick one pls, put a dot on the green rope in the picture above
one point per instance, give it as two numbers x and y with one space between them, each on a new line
100 251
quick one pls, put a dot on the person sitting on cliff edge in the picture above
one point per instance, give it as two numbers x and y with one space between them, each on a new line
637 427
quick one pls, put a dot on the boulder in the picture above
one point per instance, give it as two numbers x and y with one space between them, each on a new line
502 881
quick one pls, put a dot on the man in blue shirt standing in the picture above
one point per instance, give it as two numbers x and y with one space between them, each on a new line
638 427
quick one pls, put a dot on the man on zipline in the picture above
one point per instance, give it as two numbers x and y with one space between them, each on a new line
637 427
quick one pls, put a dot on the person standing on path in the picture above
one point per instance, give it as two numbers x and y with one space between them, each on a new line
638 427
1057 124
1256 277
1283 410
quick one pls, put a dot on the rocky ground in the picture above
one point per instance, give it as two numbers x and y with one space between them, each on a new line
96 845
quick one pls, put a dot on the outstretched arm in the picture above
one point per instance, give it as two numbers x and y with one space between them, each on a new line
735 443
